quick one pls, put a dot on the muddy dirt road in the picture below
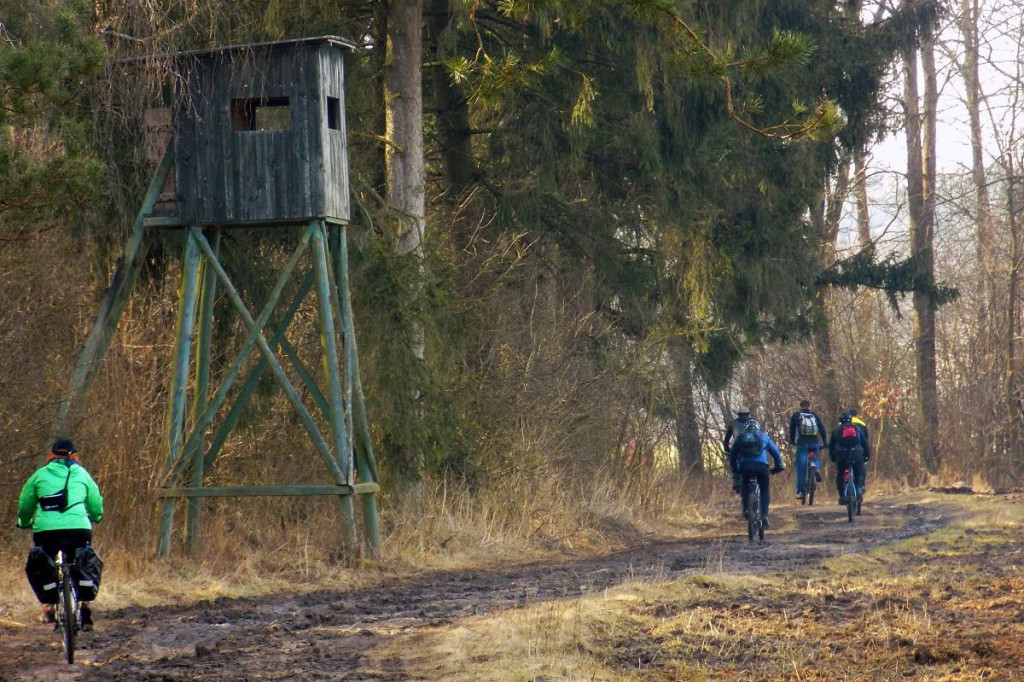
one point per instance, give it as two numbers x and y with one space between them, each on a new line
326 635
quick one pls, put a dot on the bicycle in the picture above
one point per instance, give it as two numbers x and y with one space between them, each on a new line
850 493
755 520
68 611
810 478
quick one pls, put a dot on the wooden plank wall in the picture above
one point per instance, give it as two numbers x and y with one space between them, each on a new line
332 83
261 176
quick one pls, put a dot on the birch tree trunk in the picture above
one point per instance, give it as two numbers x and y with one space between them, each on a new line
860 188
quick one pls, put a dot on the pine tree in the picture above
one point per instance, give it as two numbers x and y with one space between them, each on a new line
49 63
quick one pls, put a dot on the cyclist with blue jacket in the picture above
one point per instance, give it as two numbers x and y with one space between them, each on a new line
748 457
734 429
60 502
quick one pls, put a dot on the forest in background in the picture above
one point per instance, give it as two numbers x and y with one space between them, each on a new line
601 228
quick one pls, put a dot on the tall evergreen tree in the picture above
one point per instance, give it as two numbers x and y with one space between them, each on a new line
49 63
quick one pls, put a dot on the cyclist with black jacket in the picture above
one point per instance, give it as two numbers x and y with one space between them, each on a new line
848 446
806 431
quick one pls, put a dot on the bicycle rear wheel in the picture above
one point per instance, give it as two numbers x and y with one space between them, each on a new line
67 620
754 512
851 500
812 483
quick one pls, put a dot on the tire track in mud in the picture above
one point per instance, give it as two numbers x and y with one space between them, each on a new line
323 635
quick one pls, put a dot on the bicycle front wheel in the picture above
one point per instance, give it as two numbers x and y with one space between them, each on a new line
67 621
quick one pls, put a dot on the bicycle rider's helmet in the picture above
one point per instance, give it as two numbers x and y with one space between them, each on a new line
845 418
63 447
751 425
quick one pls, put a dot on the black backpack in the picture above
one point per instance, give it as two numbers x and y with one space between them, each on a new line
849 436
749 444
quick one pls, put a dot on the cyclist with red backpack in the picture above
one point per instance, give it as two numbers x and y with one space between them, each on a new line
806 432
748 459
849 446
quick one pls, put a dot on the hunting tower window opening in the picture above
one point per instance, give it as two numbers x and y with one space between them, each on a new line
261 113
334 113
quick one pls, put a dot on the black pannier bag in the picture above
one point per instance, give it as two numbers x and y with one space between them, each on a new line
88 570
42 575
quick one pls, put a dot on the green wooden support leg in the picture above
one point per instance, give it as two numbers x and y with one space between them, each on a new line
371 531
329 347
349 541
204 342
365 462
179 380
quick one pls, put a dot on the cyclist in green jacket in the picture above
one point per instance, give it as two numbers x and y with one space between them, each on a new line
64 529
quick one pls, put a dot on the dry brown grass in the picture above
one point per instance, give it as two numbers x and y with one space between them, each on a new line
548 515
450 528
941 607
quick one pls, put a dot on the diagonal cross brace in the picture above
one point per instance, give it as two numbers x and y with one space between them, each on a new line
117 295
256 373
255 337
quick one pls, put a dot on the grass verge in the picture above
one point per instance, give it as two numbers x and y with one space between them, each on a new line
944 606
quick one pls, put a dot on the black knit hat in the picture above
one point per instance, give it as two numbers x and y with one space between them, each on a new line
63 446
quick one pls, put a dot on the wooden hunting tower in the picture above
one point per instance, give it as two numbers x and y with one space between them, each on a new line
259 134
256 138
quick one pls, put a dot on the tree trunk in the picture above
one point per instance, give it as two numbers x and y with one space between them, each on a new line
403 99
827 222
1013 397
861 190
972 84
406 189
920 179
450 105
691 460
982 439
